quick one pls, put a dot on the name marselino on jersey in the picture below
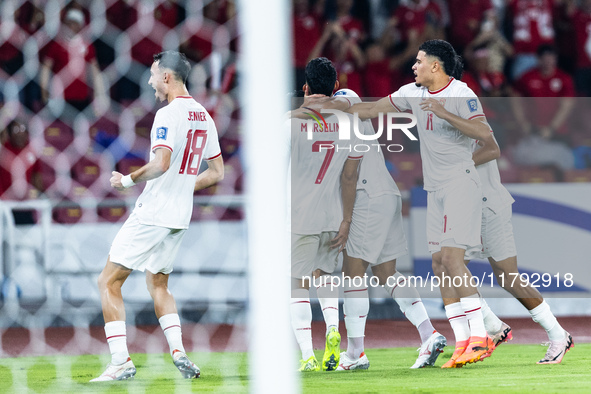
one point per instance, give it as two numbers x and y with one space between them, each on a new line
343 128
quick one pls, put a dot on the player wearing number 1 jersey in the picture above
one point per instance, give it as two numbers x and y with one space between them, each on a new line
449 117
182 135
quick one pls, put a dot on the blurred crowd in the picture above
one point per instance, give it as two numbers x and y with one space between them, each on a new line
528 60
75 102
74 98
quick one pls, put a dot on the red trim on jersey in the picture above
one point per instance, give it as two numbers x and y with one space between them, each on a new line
211 158
394 105
441 90
355 158
115 336
175 325
349 101
476 116
394 288
161 146
455 317
473 310
184 97
301 302
330 307
415 302
361 317
349 291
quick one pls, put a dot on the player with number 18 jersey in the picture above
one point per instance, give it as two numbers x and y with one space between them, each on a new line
188 131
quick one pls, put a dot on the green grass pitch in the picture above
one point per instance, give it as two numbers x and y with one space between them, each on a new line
511 369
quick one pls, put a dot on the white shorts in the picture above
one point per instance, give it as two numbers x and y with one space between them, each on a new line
454 215
497 234
312 252
376 234
139 247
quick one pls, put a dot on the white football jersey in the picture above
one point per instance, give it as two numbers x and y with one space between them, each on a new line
494 194
374 177
445 151
188 131
316 166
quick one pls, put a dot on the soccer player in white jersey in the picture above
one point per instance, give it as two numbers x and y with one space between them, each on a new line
377 239
182 135
449 117
323 178
498 246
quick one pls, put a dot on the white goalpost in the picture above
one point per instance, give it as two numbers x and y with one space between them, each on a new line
266 76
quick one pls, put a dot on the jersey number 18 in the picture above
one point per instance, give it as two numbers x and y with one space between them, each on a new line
194 147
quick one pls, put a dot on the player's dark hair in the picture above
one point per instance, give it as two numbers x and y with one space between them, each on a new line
320 76
175 61
446 54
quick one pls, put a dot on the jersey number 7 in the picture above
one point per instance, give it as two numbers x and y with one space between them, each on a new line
194 147
329 147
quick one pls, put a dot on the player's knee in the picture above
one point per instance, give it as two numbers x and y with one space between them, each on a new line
154 287
102 281
448 262
150 286
437 265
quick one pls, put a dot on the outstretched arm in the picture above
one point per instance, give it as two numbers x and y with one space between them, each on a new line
151 170
211 176
365 110
373 109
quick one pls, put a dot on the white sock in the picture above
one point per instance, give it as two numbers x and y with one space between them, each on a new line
355 308
328 296
171 326
410 304
301 321
355 347
492 323
473 311
457 320
117 340
542 315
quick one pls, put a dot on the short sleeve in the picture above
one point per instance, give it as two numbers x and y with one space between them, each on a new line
212 145
468 105
399 101
163 129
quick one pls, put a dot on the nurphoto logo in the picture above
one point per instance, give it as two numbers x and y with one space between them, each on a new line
319 124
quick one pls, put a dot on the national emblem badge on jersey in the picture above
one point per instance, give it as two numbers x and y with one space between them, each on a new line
161 133
472 105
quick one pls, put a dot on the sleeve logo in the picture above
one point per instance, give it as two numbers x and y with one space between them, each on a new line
472 105
161 133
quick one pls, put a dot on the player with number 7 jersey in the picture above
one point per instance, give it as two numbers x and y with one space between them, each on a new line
323 167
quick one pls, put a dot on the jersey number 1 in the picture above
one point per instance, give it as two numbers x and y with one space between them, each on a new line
194 147
329 147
